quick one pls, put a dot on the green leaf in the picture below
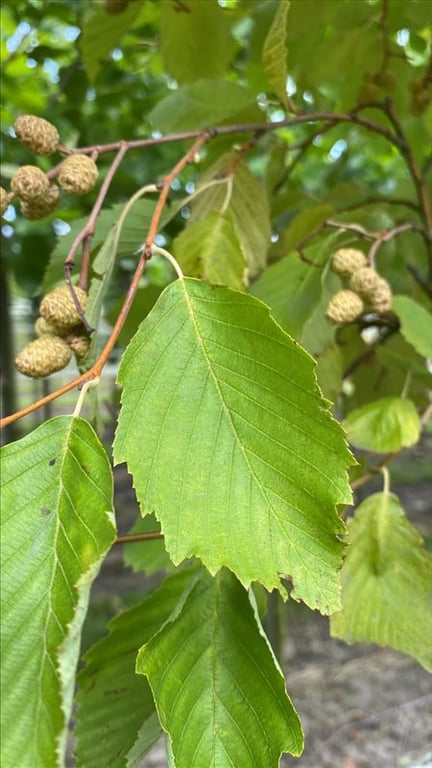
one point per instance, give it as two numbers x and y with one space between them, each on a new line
387 581
103 266
210 249
116 713
204 104
195 43
101 33
384 425
248 205
242 463
416 324
221 696
275 52
291 288
57 526
133 234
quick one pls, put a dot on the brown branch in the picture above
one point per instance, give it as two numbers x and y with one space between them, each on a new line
95 371
87 232
131 537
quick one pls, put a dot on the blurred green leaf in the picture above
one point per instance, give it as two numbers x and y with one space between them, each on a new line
386 582
248 205
384 425
203 104
195 41
209 248
416 324
274 52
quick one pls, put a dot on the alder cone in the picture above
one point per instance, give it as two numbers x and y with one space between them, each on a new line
59 309
79 344
381 298
78 174
364 282
43 328
29 182
346 261
43 356
41 206
37 134
344 307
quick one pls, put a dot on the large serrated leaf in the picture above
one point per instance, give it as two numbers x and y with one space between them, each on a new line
196 43
387 582
57 525
219 692
116 713
241 462
248 205
275 52
210 249
416 324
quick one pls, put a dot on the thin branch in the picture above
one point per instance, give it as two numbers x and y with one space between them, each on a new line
96 370
131 537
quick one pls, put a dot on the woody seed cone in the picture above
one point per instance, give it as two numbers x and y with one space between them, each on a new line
43 356
78 174
58 307
37 134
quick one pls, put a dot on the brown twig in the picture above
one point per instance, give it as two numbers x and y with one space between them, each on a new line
131 537
96 369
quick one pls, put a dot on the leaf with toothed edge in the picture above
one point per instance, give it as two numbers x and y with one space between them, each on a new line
241 460
57 526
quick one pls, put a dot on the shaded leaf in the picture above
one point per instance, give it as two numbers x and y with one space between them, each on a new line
386 581
242 463
57 526
416 324
291 288
195 43
384 425
210 249
275 52
203 104
220 696
101 33
116 713
133 234
248 205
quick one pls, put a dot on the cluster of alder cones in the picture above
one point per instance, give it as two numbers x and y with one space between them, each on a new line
366 291
38 193
59 333
59 330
